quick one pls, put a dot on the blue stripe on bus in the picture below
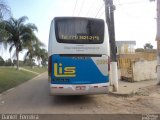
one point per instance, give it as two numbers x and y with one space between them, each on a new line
86 71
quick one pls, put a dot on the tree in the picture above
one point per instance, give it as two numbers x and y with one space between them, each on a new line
8 62
2 62
5 11
33 44
17 30
148 46
27 62
44 57
38 52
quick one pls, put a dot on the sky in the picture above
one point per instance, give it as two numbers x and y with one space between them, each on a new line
134 19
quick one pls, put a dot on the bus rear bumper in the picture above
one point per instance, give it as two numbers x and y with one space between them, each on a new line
82 89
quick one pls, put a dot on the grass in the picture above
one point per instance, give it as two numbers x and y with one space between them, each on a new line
36 69
10 77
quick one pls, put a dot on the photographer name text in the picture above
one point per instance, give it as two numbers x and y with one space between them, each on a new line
19 117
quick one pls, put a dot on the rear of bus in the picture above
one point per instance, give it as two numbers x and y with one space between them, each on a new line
78 56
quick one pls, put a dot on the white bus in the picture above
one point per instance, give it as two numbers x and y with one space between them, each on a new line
78 56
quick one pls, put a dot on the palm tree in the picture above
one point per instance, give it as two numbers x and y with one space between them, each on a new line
33 45
29 44
44 56
4 10
17 30
38 52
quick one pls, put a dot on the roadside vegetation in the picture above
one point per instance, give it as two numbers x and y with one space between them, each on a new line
36 69
148 47
19 36
10 77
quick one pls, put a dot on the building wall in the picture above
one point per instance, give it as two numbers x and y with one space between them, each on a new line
138 66
144 70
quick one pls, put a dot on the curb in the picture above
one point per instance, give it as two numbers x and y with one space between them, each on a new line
23 69
117 94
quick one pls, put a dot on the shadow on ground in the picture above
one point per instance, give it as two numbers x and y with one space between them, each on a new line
73 99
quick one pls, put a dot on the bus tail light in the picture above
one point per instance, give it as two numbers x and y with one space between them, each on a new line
50 66
95 86
60 87
54 87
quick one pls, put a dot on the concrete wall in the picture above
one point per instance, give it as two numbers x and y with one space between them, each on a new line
144 70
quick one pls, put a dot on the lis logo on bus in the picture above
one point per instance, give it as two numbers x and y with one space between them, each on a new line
59 71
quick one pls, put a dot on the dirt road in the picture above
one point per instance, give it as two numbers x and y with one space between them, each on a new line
33 97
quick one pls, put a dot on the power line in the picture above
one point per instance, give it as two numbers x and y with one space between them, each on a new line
81 7
136 2
99 10
91 5
101 14
74 7
96 10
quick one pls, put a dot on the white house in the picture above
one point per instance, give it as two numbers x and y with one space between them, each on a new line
125 47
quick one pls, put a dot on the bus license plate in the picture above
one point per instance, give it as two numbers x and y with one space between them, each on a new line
80 87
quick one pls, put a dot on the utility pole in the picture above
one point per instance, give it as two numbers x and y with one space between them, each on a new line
109 10
158 42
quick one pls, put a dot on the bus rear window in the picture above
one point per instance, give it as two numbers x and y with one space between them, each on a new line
79 30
